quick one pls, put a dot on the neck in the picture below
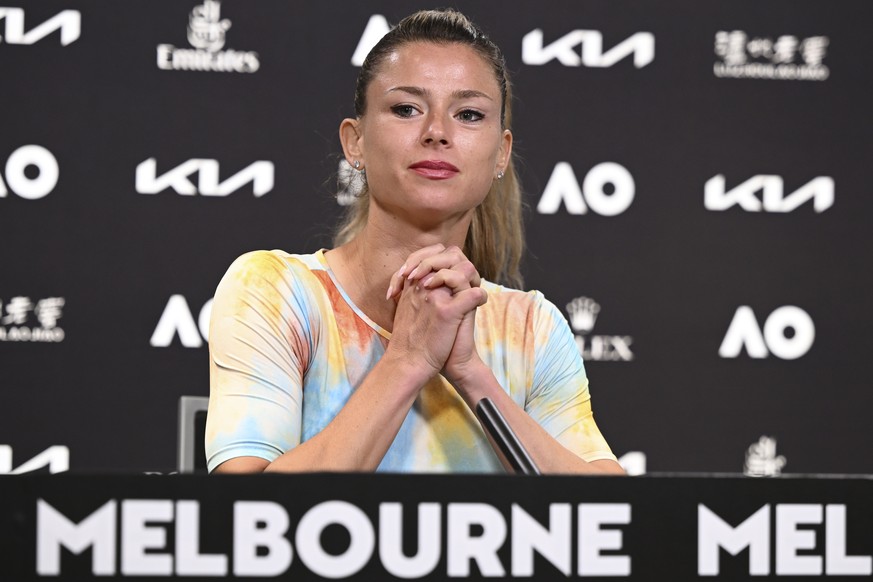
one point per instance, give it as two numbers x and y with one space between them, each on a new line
365 264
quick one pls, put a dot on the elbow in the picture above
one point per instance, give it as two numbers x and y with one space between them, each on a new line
242 466
607 467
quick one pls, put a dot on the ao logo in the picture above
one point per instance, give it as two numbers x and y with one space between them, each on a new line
18 181
564 187
177 319
820 190
68 21
260 174
534 52
744 331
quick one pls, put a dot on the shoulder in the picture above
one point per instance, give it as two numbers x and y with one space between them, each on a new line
270 264
505 294
278 269
509 301
268 278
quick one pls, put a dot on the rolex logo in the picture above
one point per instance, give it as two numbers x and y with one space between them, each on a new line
583 313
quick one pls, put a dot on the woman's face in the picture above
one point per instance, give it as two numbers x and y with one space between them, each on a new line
431 139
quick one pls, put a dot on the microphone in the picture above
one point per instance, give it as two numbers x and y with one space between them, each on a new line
503 435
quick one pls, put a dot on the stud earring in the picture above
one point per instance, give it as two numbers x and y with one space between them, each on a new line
357 165
500 175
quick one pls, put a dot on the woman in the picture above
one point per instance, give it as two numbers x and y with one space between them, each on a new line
372 355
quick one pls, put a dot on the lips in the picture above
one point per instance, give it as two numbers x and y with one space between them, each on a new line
434 169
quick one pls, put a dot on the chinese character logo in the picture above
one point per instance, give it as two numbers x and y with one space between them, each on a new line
17 325
784 58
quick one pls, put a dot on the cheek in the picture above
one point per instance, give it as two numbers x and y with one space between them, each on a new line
380 152
483 152
390 150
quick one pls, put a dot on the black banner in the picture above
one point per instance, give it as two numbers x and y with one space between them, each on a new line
434 527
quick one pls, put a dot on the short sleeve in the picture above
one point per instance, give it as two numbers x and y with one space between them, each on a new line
559 399
258 348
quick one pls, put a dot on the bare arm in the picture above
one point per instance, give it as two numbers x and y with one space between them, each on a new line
473 380
548 454
360 434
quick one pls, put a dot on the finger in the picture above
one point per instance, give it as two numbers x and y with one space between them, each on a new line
395 285
435 261
469 271
464 271
442 260
414 259
450 259
454 280
470 299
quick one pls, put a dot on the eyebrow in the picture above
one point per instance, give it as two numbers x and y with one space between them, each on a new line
459 94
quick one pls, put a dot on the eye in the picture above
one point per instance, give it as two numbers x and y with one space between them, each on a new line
470 115
404 110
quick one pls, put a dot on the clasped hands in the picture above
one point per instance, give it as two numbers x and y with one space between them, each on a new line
437 292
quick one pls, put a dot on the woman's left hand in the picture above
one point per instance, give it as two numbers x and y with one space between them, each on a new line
437 266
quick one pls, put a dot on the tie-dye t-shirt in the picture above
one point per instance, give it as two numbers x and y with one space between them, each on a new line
288 347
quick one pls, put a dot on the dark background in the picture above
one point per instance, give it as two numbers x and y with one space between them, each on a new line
666 272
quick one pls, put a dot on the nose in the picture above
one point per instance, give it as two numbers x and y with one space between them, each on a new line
435 131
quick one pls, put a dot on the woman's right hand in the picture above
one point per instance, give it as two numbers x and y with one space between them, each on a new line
429 315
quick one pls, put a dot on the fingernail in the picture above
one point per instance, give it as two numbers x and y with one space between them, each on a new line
412 274
400 272
388 294
426 281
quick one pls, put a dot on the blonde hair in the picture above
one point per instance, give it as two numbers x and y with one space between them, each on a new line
495 240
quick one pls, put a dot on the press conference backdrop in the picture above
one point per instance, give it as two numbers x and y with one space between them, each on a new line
698 204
